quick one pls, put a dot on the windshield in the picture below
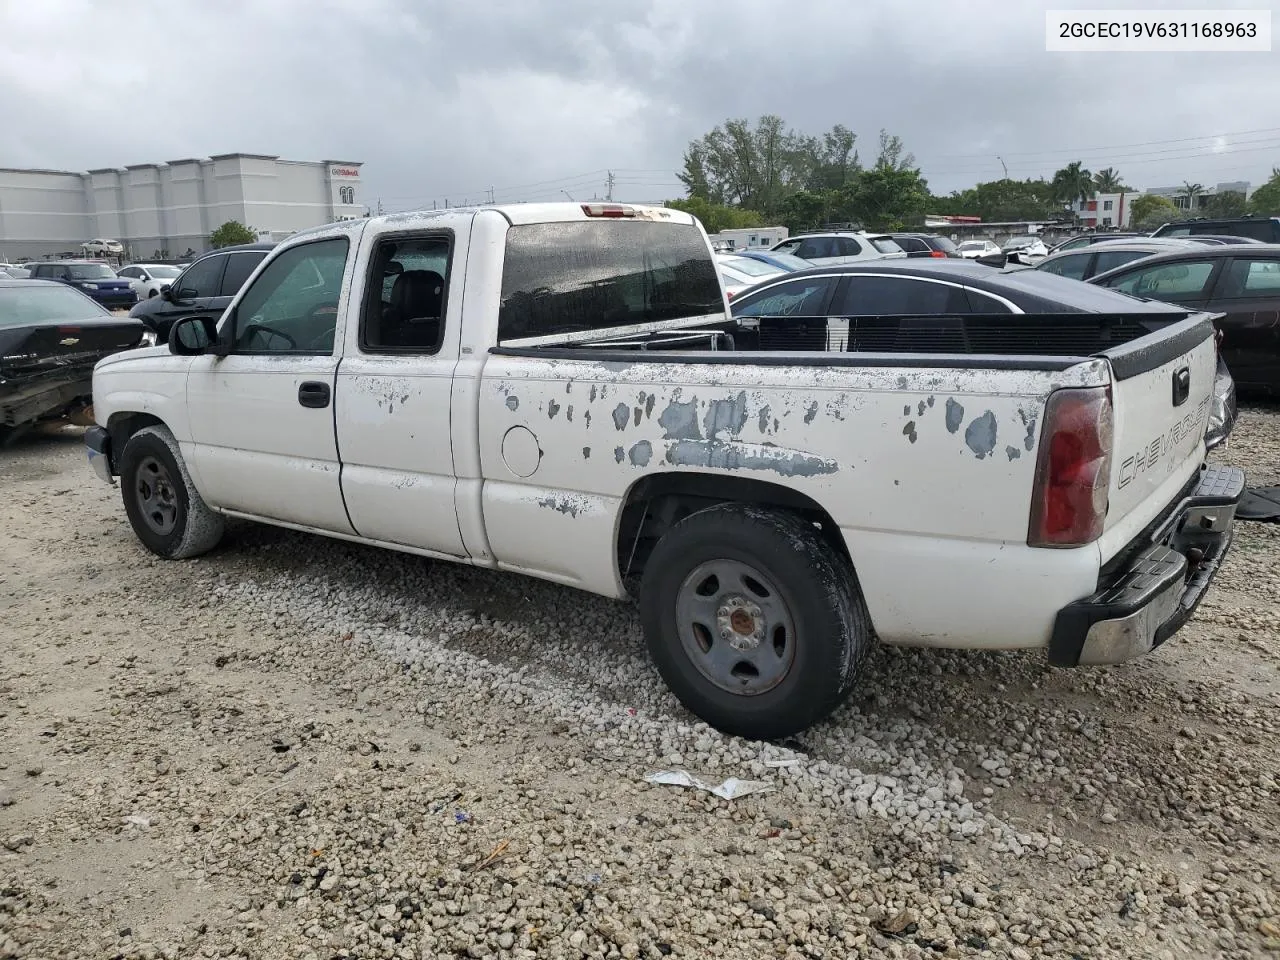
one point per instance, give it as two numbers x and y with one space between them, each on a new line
886 245
45 303
162 272
90 271
1020 241
945 245
974 245
749 267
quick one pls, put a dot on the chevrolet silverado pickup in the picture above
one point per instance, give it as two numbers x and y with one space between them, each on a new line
559 390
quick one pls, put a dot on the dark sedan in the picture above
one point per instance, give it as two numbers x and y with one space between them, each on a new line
826 301
50 338
1240 282
95 280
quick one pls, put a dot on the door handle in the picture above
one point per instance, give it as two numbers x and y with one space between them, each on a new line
312 393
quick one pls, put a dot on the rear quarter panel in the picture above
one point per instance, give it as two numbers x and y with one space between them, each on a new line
926 471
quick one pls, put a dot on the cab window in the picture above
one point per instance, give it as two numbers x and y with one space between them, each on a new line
1184 280
292 306
405 308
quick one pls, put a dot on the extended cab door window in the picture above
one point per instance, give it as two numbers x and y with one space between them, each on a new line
404 306
1075 265
292 307
201 279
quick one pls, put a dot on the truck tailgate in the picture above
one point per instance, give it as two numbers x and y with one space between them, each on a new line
1162 392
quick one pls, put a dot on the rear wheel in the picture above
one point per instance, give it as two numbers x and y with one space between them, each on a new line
163 505
756 623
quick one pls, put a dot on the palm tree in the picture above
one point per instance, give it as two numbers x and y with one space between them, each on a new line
1191 191
1108 181
1073 183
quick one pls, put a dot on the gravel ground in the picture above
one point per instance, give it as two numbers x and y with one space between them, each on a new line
296 747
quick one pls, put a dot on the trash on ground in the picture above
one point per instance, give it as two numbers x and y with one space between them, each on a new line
731 789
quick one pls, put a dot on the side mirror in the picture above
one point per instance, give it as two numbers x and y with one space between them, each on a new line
167 293
193 336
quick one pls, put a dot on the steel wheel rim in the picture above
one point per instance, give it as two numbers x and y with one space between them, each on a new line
157 499
736 627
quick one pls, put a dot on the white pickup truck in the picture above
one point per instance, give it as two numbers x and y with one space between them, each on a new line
559 390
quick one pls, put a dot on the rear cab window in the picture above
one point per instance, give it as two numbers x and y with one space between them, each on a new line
565 277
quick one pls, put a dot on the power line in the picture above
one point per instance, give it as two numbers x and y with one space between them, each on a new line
1114 146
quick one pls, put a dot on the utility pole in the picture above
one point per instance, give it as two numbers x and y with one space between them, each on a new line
608 181
491 194
379 206
1002 164
566 193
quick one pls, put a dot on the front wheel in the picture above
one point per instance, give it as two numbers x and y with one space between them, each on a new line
164 508
755 623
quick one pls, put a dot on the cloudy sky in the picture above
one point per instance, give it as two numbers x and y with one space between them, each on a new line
443 98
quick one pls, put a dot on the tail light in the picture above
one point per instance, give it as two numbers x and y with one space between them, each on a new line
938 254
1073 472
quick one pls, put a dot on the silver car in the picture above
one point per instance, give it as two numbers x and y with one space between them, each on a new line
1085 262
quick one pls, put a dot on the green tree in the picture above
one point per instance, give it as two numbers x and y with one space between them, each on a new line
1228 203
1150 210
1191 191
1002 200
1072 183
1107 180
1265 201
231 233
716 216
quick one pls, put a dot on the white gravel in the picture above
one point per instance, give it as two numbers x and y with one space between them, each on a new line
301 748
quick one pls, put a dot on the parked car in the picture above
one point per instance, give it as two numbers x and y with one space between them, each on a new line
740 273
206 286
96 280
148 279
1085 262
1266 229
103 248
1026 250
51 335
1242 283
918 245
15 271
819 306
559 390
973 249
1218 238
786 262
828 248
1087 239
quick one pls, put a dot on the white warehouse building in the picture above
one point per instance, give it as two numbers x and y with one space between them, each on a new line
164 210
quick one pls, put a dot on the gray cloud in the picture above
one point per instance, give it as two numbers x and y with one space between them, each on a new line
531 97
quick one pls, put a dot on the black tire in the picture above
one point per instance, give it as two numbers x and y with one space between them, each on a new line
809 589
163 505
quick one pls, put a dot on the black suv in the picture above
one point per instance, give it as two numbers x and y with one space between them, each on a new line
925 245
1266 229
91 278
205 287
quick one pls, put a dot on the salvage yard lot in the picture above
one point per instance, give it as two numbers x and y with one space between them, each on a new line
296 747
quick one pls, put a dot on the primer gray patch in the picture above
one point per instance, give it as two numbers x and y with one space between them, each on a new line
812 411
906 409
679 421
955 415
733 456
619 454
764 419
1029 440
648 405
568 414
639 412
930 401
909 431
981 435
640 453
621 414
1013 453
593 393
563 505
920 408
586 453
726 415
586 418
513 403
552 409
